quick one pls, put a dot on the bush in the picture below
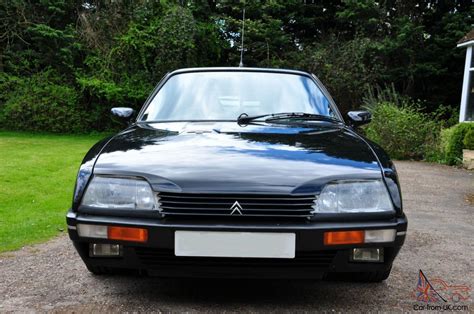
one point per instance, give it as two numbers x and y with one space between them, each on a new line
469 139
454 139
404 132
43 103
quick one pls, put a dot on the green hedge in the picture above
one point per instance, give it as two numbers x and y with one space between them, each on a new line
454 140
469 139
43 102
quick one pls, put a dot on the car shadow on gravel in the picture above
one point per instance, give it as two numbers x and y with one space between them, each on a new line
208 292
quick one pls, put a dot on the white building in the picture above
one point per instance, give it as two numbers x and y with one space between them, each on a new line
467 96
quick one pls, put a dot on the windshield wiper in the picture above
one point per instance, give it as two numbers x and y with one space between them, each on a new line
245 118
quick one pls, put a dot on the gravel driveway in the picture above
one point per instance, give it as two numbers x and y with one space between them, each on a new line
437 199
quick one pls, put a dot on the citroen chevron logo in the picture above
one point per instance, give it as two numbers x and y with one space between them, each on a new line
236 208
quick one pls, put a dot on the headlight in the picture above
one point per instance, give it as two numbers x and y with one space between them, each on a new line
116 193
367 196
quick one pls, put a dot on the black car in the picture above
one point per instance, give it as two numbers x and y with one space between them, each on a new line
239 172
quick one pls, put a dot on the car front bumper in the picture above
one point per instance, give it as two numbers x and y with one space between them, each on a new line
312 258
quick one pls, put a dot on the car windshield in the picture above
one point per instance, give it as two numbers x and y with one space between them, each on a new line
225 95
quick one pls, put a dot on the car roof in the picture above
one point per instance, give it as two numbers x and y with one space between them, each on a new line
239 69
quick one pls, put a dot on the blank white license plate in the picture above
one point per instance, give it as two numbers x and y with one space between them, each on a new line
234 244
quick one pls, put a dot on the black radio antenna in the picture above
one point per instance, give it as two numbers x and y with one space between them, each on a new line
241 64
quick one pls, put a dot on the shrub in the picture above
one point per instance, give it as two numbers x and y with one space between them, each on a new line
469 139
404 132
43 103
454 139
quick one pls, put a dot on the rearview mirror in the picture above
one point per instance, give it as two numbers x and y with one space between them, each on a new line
358 118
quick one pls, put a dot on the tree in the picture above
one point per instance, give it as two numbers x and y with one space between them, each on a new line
111 53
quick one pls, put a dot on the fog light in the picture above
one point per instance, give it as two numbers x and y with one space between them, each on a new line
367 255
100 249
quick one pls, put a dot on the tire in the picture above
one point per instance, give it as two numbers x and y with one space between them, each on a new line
373 276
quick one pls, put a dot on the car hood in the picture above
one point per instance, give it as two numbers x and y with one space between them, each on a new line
225 157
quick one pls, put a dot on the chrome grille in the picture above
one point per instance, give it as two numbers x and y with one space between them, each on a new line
251 205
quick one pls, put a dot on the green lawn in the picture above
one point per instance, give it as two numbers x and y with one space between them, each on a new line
37 174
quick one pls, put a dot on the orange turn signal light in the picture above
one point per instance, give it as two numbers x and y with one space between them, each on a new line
344 237
127 234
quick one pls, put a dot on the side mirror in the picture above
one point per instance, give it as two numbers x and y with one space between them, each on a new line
123 112
358 118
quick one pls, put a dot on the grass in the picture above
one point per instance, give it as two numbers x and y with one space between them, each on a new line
37 175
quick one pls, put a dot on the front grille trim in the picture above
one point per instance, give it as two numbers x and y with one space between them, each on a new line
227 209
242 203
238 196
227 215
